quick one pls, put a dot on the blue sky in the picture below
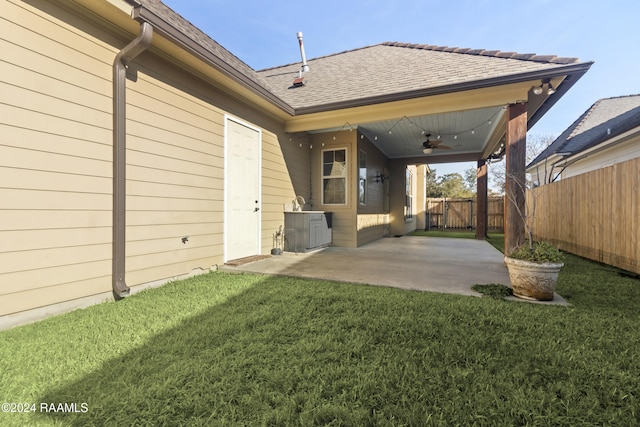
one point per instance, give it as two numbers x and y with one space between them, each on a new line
263 34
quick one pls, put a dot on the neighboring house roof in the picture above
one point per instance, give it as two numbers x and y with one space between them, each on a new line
606 119
376 73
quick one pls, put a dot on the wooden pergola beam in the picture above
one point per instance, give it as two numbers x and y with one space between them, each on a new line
516 149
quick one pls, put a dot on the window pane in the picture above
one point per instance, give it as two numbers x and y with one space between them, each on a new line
334 190
334 172
336 169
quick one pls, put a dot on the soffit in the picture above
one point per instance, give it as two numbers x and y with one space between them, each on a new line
464 132
471 123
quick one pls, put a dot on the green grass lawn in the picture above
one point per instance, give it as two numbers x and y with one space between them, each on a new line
224 349
496 239
457 234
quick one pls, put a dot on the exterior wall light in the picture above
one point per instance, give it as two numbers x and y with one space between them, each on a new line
380 177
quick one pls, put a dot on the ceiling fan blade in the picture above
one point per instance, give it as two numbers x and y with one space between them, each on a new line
445 147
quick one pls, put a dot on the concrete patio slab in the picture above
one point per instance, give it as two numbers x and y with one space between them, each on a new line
434 264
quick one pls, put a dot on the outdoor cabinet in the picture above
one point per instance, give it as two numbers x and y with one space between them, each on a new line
306 230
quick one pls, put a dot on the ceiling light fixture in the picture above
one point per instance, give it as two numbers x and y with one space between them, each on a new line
428 146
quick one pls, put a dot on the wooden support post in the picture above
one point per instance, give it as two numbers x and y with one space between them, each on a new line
516 149
481 206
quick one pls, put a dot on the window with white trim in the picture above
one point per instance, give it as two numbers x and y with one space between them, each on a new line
334 177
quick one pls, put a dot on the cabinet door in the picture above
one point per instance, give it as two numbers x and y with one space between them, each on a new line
315 234
326 232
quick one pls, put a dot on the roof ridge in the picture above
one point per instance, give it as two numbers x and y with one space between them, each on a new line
619 97
552 59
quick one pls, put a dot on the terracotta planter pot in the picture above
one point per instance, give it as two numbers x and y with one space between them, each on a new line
531 280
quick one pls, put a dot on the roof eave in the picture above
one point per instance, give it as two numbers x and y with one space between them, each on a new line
165 29
604 144
574 70
549 160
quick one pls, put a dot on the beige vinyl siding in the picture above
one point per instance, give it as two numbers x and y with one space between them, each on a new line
399 224
372 227
175 175
55 173
344 231
56 162
298 158
373 220
421 201
55 165
277 186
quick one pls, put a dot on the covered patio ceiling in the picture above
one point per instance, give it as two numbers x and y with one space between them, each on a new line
468 134
472 122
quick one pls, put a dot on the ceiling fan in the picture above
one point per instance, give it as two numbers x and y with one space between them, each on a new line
428 146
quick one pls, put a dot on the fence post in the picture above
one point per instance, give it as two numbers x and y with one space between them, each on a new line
444 213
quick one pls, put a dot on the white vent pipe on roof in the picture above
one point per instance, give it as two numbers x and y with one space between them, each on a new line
305 67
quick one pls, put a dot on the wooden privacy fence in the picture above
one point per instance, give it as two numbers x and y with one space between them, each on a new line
445 213
595 215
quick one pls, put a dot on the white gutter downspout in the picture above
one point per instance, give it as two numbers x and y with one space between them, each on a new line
133 49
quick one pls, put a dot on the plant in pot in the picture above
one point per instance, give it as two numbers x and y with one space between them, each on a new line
533 266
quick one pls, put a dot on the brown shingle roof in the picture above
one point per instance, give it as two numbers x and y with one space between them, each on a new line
395 68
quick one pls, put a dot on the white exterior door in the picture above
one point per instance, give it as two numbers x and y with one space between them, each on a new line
242 190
